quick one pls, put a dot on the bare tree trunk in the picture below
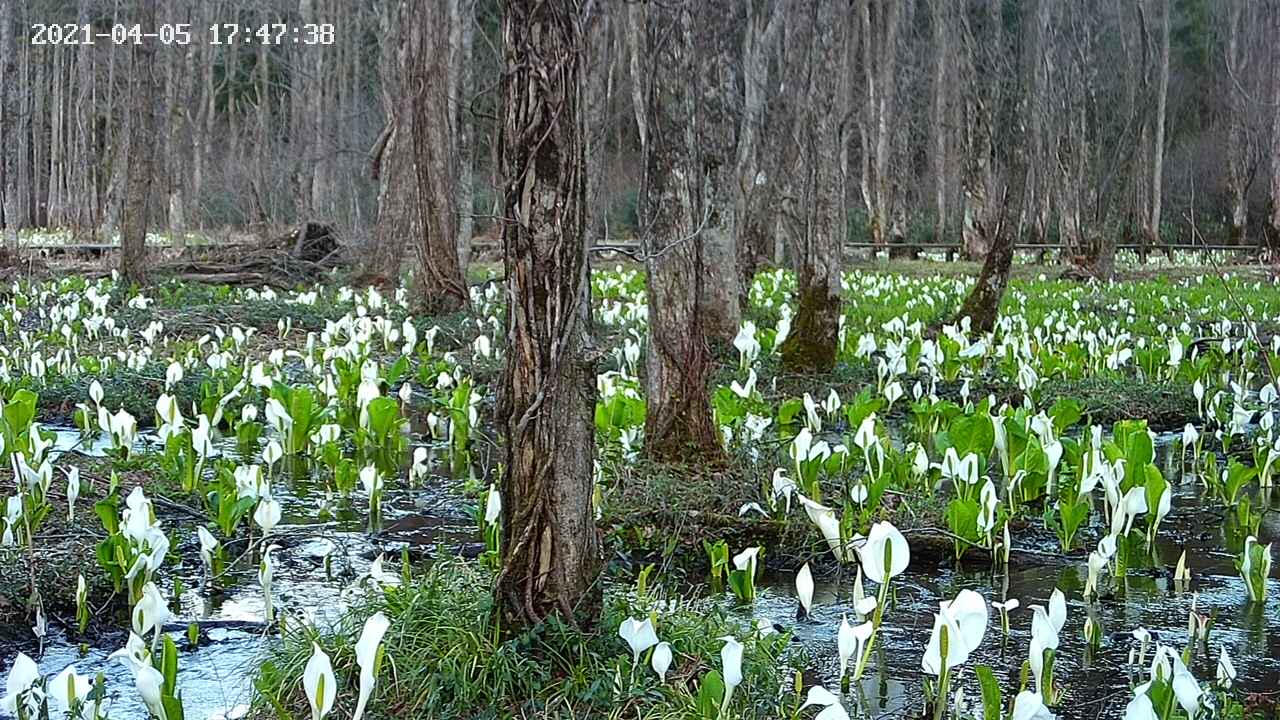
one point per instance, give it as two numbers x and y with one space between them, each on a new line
673 221
551 549
174 88
938 126
719 105
1157 148
391 159
1237 179
880 23
439 283
596 108
465 84
753 187
303 93
261 214
1138 99
1273 222
812 344
1092 252
140 154
1039 163
984 191
9 130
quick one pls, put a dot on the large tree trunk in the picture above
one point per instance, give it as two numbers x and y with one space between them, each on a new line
753 188
880 20
551 550
812 344
439 285
939 18
1091 250
8 130
140 154
673 220
596 107
984 190
1273 220
1038 176
304 90
1237 146
464 82
719 104
391 159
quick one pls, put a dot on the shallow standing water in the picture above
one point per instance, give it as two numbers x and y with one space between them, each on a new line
214 677
1096 682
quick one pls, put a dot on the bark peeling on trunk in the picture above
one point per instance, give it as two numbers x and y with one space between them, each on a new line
551 550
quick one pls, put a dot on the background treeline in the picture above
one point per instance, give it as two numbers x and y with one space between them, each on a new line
1081 124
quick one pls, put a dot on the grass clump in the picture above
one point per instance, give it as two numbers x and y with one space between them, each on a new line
445 658
1164 405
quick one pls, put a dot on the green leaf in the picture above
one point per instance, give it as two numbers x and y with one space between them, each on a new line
106 512
991 709
1066 411
710 693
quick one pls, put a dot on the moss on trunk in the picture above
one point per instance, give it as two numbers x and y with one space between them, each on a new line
811 344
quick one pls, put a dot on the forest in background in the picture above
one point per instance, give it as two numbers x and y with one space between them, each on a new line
1073 124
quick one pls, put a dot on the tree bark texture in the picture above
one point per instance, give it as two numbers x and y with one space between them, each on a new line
1157 146
439 284
677 209
816 251
551 550
880 21
1273 214
718 104
391 159
982 306
140 154
754 211
9 135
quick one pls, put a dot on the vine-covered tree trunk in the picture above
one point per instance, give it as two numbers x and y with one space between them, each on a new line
816 251
439 284
551 552
674 215
140 154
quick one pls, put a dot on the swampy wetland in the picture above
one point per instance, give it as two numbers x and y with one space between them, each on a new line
223 485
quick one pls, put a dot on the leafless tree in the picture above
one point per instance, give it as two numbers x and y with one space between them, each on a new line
680 118
140 153
439 284
1273 220
823 28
